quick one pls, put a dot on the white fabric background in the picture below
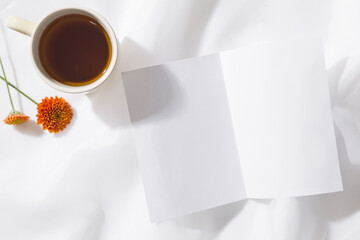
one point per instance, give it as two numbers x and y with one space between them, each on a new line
84 183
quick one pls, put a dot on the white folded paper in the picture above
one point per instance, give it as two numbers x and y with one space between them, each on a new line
249 123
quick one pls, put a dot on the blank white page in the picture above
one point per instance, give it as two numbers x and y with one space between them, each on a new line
279 101
184 136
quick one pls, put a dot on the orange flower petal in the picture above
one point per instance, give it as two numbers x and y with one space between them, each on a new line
54 114
15 118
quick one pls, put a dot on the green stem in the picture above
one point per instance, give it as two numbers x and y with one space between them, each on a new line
20 91
7 86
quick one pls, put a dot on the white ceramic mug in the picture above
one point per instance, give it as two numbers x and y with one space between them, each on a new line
35 30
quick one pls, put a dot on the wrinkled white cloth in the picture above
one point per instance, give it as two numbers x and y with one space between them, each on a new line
84 183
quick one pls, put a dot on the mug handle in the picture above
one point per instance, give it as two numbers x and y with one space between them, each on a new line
20 25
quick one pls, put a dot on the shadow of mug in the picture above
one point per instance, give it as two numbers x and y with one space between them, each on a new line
154 98
130 93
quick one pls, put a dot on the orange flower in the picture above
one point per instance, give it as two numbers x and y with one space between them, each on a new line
54 114
15 118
